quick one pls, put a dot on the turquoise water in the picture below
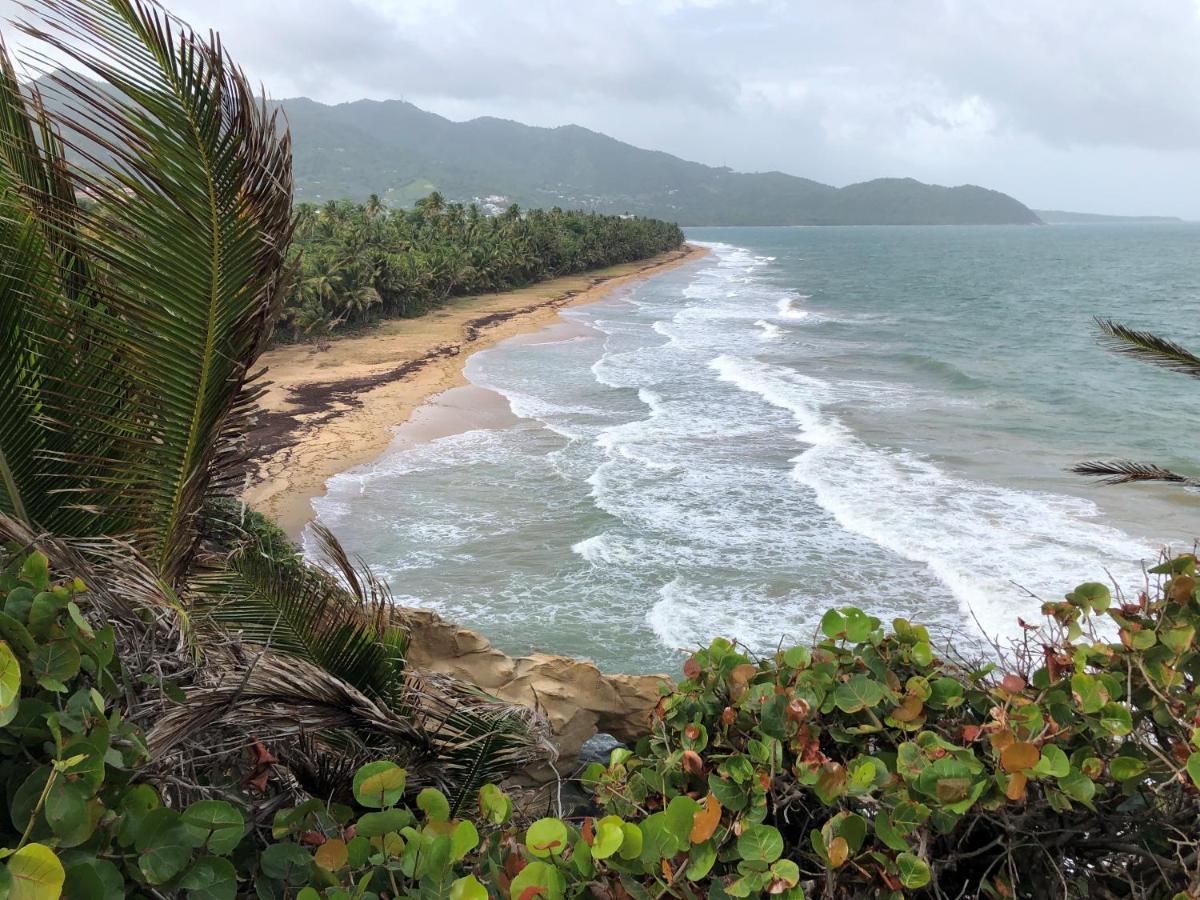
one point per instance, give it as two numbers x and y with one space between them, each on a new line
807 417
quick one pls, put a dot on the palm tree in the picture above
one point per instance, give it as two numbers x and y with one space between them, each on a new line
1161 352
129 331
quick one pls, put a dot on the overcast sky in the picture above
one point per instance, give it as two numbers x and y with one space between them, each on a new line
1089 105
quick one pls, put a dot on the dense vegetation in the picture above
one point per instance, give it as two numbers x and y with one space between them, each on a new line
187 708
357 260
402 152
869 764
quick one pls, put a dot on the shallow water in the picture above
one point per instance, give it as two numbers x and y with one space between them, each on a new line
808 417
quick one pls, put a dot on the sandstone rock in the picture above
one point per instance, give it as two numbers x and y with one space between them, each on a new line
576 697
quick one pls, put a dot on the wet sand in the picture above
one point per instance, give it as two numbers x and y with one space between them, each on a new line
329 408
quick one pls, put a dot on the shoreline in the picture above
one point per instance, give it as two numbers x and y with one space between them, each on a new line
330 407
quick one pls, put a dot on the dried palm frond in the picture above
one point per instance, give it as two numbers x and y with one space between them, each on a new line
446 732
1127 472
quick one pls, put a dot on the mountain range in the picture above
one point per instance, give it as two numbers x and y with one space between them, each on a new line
401 152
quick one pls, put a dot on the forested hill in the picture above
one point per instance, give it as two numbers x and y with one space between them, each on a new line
393 148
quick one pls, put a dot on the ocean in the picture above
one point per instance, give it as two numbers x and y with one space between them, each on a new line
803 419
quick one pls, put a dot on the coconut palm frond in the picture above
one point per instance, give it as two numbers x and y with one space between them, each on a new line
41 262
1127 472
192 216
1149 347
301 611
355 574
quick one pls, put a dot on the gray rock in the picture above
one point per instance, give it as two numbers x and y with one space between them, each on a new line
597 748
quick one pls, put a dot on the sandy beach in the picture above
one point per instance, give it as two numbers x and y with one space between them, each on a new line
331 407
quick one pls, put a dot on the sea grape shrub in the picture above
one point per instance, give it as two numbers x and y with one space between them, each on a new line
871 764
866 765
75 824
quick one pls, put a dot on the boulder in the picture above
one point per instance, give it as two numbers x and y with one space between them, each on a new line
576 697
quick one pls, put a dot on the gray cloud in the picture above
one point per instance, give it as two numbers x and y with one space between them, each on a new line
1067 103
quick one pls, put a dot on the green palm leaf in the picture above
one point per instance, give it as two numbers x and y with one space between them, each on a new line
303 611
192 184
1149 347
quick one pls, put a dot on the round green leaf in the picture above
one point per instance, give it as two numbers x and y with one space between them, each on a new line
681 815
211 878
1053 761
379 784
857 694
610 833
66 806
36 874
136 804
286 862
701 859
434 804
546 837
376 824
913 871
658 842
1193 768
540 875
468 888
1091 595
94 879
10 683
494 804
57 660
1122 768
463 839
922 654
760 843
833 623
631 842
1078 786
163 844
1115 719
214 825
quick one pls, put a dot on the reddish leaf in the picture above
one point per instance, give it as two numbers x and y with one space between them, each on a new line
1019 755
797 710
910 707
1016 787
691 668
692 762
705 821
1012 684
262 756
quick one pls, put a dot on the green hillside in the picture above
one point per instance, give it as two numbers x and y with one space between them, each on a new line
401 152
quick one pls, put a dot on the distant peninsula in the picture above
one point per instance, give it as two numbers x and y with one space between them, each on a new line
401 152
1061 217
